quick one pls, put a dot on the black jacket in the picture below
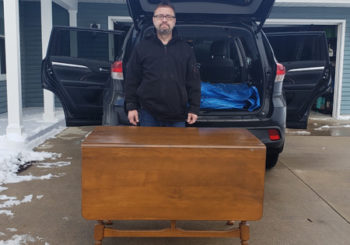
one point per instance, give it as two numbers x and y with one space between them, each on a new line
163 79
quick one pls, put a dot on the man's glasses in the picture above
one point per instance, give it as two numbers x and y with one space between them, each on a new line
161 17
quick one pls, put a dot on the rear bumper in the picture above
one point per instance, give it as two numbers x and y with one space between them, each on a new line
258 127
275 146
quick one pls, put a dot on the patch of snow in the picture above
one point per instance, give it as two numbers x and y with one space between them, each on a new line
45 146
12 229
21 239
4 197
317 118
40 238
10 203
27 199
52 165
6 212
65 218
2 234
11 178
14 202
18 240
302 132
11 162
326 127
16 151
27 142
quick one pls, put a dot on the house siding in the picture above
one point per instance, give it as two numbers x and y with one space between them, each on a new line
2 18
325 13
3 93
89 13
31 49
3 97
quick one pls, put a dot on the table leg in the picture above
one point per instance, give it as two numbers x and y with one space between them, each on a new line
98 233
244 229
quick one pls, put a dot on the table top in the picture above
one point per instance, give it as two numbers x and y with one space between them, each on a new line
131 136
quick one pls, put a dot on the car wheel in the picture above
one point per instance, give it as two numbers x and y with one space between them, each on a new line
271 160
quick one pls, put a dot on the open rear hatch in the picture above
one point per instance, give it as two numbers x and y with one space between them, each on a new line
202 10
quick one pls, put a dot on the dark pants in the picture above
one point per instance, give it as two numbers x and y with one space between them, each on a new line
147 120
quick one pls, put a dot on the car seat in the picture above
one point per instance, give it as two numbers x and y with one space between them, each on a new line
219 67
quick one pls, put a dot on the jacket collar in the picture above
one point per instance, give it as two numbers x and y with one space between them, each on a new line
153 35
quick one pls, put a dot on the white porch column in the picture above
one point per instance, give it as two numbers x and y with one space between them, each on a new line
73 18
46 26
13 69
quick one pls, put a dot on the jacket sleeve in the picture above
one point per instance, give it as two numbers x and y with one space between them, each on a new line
132 81
193 84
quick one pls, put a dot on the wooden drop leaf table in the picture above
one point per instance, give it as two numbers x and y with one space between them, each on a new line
159 173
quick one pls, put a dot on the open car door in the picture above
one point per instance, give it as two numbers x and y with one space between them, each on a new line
305 56
76 69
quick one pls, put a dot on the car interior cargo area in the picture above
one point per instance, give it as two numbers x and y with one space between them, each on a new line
229 66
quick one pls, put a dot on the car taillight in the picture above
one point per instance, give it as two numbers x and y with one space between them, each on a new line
280 73
117 70
274 134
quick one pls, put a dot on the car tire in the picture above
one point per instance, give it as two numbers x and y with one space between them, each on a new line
271 160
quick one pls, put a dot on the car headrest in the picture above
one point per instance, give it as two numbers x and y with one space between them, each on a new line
220 48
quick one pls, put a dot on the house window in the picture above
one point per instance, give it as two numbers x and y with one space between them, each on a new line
2 58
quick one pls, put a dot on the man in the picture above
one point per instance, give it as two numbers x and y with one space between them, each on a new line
162 81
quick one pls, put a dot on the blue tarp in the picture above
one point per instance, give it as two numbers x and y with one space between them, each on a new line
229 96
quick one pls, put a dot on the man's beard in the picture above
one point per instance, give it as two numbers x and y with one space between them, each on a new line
162 31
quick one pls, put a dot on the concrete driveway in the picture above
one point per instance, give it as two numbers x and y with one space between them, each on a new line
307 199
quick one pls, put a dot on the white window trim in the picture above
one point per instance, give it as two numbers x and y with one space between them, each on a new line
112 19
313 3
2 76
341 31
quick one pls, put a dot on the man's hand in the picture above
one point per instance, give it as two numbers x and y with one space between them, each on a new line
191 118
133 117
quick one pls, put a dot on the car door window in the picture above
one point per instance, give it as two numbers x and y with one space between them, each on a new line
290 48
87 44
